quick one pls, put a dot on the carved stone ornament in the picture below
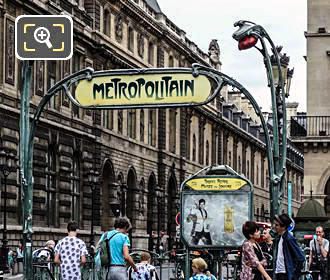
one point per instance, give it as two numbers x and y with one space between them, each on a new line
140 44
214 54
10 52
119 28
40 77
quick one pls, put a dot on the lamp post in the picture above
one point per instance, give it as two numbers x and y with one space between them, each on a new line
248 35
7 165
92 179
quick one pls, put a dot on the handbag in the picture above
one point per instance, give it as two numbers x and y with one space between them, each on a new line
316 260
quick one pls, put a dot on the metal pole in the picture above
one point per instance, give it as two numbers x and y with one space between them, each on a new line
158 225
92 243
26 152
4 249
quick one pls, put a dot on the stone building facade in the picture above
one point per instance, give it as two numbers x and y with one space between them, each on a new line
311 131
142 155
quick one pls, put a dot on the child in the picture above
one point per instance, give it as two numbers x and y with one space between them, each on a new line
145 270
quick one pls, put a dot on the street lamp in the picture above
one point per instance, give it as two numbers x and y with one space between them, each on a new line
7 165
278 76
93 177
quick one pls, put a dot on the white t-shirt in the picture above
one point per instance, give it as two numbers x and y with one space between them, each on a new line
315 244
280 266
70 250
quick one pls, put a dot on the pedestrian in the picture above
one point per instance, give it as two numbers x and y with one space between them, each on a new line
145 271
290 257
20 256
319 249
118 245
253 260
267 246
198 267
70 253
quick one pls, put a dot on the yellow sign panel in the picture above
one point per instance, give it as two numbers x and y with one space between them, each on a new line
140 89
216 184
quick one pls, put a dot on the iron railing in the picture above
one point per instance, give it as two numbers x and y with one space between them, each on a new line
310 126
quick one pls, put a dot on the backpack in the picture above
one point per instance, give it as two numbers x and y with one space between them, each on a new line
35 256
105 252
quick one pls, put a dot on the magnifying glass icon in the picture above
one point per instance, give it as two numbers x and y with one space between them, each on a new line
41 35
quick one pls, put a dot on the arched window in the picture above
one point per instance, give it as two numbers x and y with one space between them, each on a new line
130 39
207 152
51 182
170 61
151 53
76 179
194 148
106 22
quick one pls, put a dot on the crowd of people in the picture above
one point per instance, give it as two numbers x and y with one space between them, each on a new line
70 253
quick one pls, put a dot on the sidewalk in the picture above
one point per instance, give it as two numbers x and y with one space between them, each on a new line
9 276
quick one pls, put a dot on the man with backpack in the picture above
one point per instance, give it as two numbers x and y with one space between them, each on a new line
118 243
319 249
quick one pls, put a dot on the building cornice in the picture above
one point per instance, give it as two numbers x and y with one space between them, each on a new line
312 34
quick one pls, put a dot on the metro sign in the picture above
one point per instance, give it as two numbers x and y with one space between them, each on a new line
147 88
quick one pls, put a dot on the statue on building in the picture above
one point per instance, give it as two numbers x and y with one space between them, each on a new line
140 44
214 54
119 28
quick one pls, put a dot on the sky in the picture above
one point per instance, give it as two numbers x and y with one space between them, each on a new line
285 21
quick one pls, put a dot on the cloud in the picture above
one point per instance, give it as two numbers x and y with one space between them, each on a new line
285 22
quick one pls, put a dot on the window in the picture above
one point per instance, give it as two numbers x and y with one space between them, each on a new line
107 119
152 128
76 67
120 121
106 22
172 132
194 148
257 178
188 139
151 53
142 125
131 123
75 203
207 148
51 80
51 187
130 39
248 169
239 165
170 61
263 172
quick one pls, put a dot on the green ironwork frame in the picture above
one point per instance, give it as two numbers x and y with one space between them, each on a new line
27 129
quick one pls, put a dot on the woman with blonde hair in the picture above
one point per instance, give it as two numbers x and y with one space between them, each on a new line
198 267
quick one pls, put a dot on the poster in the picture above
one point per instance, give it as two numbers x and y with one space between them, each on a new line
214 219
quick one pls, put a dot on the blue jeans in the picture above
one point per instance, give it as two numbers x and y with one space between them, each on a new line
117 273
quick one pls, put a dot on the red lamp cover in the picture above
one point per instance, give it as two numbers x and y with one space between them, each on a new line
247 42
